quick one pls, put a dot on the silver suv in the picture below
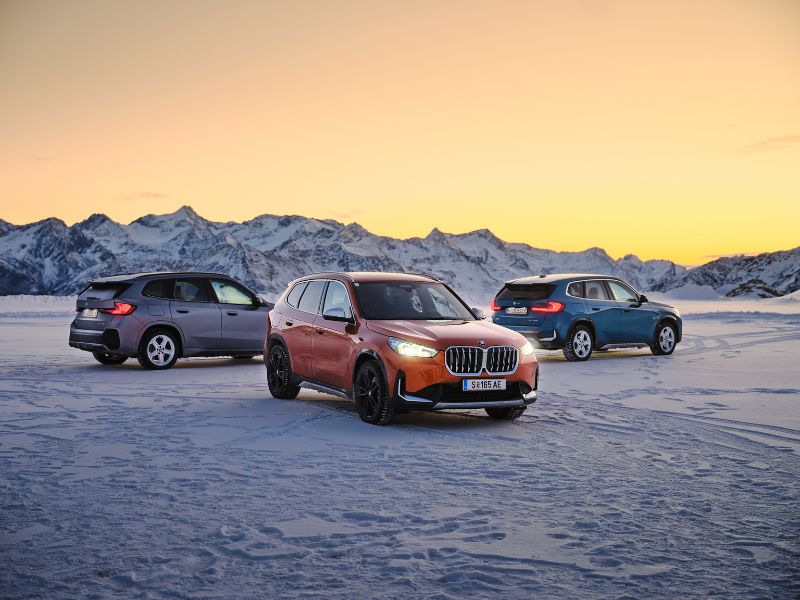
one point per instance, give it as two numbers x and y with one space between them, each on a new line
159 317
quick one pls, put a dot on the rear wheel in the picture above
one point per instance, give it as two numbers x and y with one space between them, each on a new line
158 349
105 358
372 396
664 339
279 374
579 344
508 413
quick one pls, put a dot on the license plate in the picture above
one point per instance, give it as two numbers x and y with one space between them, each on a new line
517 310
89 313
482 385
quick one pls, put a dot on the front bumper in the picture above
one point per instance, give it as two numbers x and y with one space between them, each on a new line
444 396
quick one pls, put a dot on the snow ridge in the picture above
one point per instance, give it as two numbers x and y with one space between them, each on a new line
267 252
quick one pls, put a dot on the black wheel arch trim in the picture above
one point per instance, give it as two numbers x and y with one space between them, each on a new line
163 325
674 321
376 357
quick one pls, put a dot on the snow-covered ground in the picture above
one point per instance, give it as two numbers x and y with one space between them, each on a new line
632 476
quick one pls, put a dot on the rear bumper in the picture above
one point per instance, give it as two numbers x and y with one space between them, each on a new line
546 337
95 341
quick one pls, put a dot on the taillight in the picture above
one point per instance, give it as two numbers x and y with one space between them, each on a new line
548 307
495 305
120 308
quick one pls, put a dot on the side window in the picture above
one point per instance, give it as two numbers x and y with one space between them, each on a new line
336 297
191 290
595 290
229 293
622 292
159 288
309 301
576 289
293 298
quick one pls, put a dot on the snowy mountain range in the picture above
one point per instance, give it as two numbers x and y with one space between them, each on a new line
49 257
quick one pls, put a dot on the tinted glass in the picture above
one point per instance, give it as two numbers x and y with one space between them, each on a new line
409 300
294 296
103 291
191 290
229 293
536 291
622 292
336 297
595 290
309 302
576 289
159 288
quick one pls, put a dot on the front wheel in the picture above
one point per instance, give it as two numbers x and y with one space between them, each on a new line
508 413
664 340
104 358
579 344
158 350
372 396
279 374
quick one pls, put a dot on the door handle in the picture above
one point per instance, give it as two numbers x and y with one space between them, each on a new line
597 307
320 331
232 313
289 323
183 310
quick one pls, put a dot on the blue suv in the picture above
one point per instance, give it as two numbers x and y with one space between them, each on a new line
581 313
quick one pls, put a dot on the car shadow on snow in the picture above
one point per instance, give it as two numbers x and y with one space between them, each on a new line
444 420
188 363
558 356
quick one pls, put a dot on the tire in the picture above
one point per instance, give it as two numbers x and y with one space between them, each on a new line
159 349
580 343
279 374
105 358
508 413
371 395
664 343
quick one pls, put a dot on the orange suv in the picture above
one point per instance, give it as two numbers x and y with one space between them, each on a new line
395 343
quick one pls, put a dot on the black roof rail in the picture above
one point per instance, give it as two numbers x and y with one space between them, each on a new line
426 275
342 273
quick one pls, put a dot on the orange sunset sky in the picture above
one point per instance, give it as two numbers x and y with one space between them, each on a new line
665 129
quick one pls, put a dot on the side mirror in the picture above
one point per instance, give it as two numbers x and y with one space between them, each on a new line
336 313
478 313
642 298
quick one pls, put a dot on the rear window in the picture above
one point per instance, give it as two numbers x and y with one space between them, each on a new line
531 291
159 288
103 291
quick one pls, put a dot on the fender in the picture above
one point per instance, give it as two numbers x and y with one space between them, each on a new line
374 355
275 337
674 321
162 323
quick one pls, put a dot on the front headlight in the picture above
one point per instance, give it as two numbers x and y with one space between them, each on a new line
527 349
404 348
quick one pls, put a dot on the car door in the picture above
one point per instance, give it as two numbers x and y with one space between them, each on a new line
331 342
298 327
244 319
637 319
603 311
195 313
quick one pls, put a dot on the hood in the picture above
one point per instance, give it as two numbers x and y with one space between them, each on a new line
441 334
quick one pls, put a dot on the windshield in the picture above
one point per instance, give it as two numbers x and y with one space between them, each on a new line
409 300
